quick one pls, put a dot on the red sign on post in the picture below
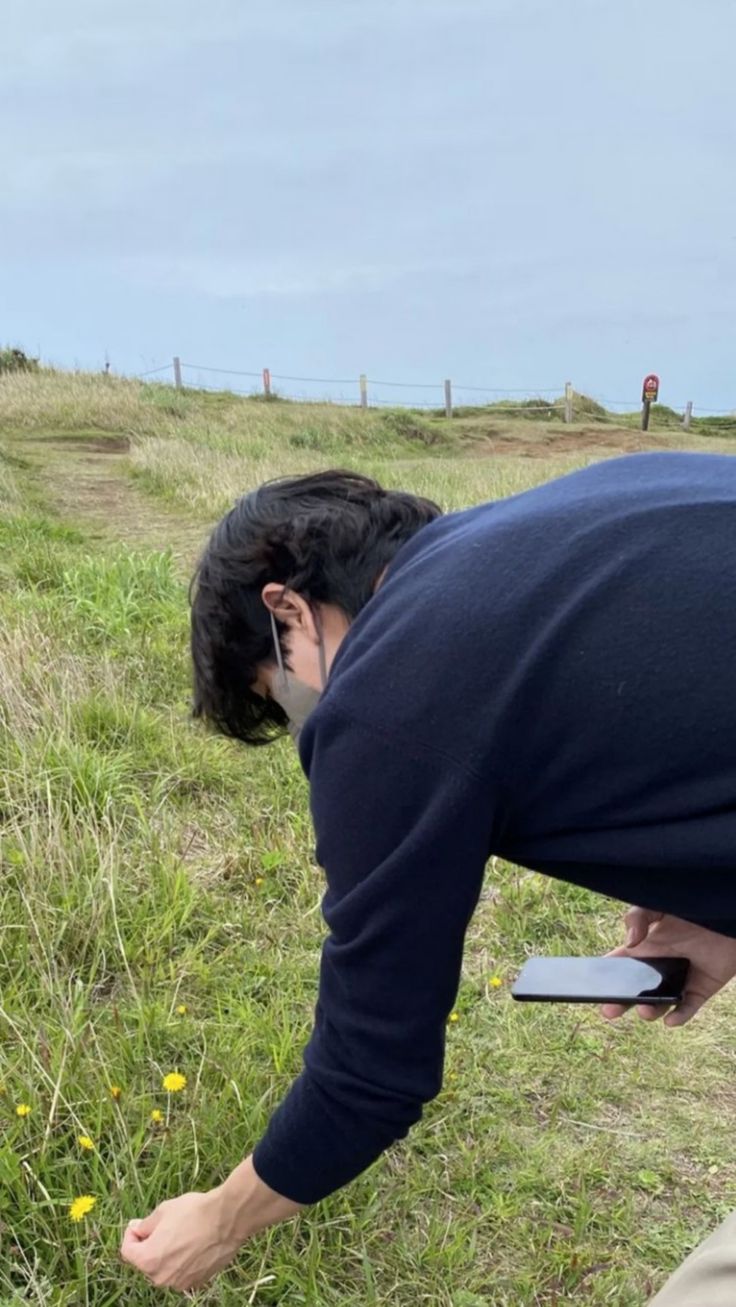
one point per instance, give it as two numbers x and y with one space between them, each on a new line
650 390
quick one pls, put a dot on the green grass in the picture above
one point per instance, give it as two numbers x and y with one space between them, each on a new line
8 488
145 865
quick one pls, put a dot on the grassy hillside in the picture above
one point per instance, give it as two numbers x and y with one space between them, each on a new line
50 400
159 911
199 450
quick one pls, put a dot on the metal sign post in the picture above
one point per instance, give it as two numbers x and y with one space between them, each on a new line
649 396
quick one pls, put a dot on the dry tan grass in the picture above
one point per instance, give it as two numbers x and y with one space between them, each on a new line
38 681
76 401
67 401
208 480
9 495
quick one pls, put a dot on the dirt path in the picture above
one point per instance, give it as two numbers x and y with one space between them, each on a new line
85 480
601 442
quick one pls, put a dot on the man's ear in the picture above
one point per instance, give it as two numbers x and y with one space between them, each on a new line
289 607
281 602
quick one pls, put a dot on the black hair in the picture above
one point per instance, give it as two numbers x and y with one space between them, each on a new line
327 536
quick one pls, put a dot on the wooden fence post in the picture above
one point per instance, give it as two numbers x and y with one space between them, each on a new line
363 390
688 415
568 401
267 382
177 373
448 399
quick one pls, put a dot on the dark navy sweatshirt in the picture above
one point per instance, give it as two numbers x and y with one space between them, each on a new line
550 678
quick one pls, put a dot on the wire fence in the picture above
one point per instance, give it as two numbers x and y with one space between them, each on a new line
445 397
366 392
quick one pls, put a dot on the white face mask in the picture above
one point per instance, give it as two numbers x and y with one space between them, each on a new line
297 699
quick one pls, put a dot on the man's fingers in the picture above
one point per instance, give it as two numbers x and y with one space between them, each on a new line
649 1013
132 1245
638 921
612 1011
134 1248
145 1227
686 1010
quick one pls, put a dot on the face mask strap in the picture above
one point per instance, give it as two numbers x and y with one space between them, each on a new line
277 650
280 657
322 656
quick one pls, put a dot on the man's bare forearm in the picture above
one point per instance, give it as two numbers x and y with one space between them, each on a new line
247 1205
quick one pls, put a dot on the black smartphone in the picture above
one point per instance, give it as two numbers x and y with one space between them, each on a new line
602 980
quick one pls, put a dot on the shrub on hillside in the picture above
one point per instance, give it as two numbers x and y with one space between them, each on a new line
15 360
410 425
585 407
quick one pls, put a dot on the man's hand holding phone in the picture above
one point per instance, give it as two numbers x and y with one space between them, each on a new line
712 961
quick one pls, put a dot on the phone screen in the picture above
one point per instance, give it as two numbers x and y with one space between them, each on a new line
602 980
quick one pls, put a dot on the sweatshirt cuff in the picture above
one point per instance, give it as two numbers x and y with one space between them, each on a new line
313 1146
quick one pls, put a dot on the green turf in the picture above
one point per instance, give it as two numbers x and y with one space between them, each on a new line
147 866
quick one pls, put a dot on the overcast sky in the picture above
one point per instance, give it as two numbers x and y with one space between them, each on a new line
511 193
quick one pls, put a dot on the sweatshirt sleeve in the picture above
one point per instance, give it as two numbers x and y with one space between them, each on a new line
403 834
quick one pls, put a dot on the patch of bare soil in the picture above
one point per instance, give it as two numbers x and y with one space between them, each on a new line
595 440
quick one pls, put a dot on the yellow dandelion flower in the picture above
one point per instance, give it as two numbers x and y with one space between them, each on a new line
174 1082
157 1116
85 1142
259 880
453 1075
81 1207
495 982
22 1110
454 1016
115 1092
182 1009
